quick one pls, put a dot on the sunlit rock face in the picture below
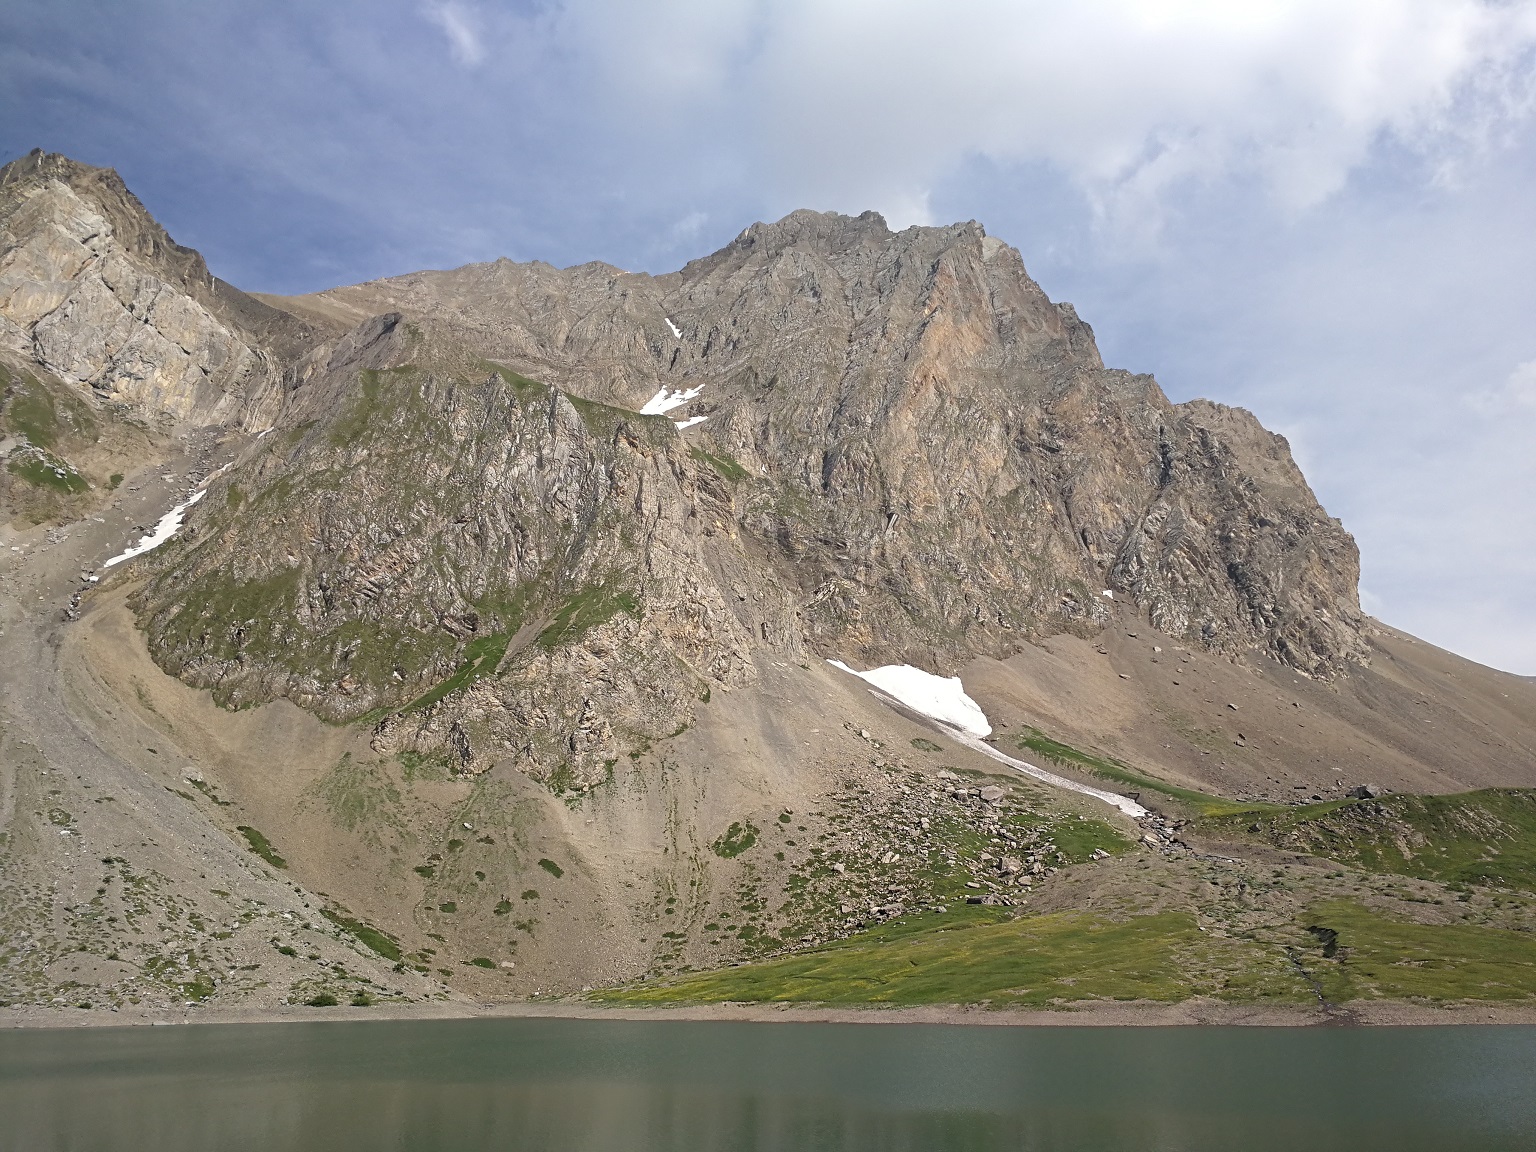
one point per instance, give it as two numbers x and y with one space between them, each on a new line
617 492
94 292
930 450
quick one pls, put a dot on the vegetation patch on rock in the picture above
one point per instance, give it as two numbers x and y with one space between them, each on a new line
1483 838
594 605
381 942
261 846
1108 768
735 840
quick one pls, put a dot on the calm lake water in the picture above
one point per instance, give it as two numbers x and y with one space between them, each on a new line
676 1085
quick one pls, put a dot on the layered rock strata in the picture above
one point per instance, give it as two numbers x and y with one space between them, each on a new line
95 293
887 447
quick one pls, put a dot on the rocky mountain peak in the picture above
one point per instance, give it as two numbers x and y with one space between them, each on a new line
827 233
886 447
826 439
104 192
95 292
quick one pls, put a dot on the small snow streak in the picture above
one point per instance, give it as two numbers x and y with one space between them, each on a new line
1124 803
665 401
690 422
164 530
676 332
943 700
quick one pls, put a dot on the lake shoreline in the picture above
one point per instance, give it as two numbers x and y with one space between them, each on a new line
1099 1014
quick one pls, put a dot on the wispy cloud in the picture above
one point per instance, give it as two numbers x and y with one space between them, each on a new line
686 230
460 25
1133 100
1516 393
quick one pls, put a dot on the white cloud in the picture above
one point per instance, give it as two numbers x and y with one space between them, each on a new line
866 103
1516 394
460 25
903 208
686 229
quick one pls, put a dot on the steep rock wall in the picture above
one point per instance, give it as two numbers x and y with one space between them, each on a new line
94 292
929 449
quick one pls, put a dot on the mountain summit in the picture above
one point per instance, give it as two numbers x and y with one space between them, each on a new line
888 447
534 576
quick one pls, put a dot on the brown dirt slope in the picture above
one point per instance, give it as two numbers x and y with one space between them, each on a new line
1416 719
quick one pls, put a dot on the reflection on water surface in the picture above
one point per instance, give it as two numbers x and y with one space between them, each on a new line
685 1086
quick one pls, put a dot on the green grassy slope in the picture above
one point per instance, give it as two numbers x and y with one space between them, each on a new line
1118 772
986 956
976 955
1486 838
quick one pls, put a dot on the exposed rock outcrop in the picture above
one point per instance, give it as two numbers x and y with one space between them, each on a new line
94 292
928 448
489 568
890 446
906 453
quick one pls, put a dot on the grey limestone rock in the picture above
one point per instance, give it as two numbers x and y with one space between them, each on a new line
514 512
928 448
93 291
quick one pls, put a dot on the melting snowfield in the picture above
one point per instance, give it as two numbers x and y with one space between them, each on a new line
163 531
937 697
664 401
943 700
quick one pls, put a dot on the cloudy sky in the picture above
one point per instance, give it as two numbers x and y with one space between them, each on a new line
1321 210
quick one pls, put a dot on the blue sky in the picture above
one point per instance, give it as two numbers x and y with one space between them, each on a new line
1321 211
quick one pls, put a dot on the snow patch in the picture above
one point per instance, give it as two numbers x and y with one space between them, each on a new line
1124 803
690 422
676 333
665 401
939 697
1108 595
164 530
943 699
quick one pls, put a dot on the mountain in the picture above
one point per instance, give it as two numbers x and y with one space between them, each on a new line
97 294
504 606
956 461
902 451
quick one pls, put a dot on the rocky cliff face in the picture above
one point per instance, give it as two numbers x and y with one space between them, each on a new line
484 567
935 453
886 447
94 293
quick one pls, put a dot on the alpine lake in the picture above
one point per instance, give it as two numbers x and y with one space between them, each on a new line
711 1086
